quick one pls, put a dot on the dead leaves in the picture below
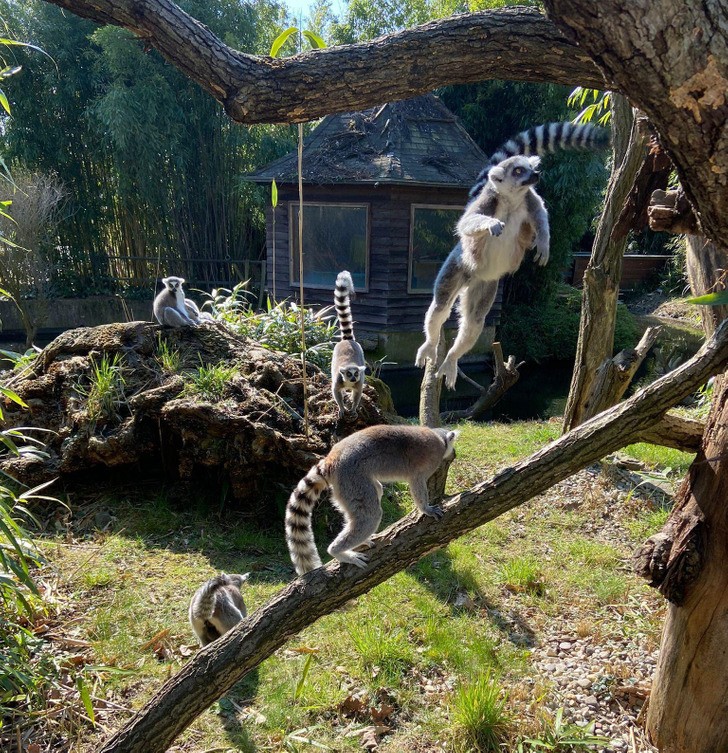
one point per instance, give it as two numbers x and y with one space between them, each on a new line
362 708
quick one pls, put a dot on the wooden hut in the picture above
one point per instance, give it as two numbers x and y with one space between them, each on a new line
382 191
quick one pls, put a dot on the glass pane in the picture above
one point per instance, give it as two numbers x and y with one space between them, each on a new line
334 238
433 237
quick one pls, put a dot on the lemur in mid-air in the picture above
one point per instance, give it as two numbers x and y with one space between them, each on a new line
355 469
217 606
503 218
347 362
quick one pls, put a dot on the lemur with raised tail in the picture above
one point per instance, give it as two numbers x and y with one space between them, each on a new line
217 606
173 309
347 362
354 470
503 218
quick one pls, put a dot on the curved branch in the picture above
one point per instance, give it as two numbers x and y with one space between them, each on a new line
512 43
216 668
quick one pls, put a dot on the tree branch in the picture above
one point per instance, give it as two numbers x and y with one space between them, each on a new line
510 43
216 668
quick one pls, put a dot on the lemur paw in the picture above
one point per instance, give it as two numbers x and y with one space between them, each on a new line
542 255
495 227
352 558
433 511
448 370
427 350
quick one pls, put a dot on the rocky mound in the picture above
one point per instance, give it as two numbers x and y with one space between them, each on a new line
202 406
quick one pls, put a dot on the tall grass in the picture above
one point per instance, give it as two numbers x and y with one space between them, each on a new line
479 711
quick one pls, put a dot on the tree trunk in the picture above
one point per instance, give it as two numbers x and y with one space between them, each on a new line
707 266
688 711
675 431
216 668
602 275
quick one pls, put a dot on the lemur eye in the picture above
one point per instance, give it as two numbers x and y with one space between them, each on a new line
518 171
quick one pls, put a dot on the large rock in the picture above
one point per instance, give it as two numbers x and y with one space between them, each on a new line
248 438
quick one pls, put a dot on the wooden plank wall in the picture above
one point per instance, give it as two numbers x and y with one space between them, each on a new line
636 269
386 306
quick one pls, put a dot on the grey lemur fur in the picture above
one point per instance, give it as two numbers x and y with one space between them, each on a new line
504 217
354 470
173 309
347 362
217 606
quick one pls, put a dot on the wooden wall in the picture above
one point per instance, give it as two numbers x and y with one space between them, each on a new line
636 269
386 306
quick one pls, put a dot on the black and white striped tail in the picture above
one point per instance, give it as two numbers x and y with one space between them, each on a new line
204 603
546 139
299 532
342 301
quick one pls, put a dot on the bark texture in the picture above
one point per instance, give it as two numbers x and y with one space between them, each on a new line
216 668
517 43
604 270
686 561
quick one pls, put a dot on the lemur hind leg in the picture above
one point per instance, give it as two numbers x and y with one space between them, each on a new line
450 280
363 513
476 300
174 318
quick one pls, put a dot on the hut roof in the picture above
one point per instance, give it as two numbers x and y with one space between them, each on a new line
416 141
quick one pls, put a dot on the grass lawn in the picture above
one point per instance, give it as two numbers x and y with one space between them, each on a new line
439 658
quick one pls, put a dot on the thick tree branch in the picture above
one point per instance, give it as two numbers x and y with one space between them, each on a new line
215 669
511 43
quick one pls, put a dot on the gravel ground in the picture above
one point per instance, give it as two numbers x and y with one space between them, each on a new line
599 667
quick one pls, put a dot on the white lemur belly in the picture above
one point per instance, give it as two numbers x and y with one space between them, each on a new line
491 257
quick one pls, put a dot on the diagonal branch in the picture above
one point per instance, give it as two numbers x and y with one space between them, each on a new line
510 43
215 669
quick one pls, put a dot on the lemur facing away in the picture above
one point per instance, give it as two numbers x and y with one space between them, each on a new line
504 217
347 361
355 469
217 606
172 309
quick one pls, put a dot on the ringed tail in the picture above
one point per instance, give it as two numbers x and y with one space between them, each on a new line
546 139
299 532
342 302
205 603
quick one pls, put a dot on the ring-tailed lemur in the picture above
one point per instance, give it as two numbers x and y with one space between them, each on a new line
173 309
355 469
504 217
217 606
347 361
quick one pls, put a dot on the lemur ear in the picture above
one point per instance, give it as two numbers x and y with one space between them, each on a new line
535 162
452 436
362 369
165 280
497 173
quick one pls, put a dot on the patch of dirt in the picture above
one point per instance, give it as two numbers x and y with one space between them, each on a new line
244 436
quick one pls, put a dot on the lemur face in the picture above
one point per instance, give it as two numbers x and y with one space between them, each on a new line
516 173
173 284
352 375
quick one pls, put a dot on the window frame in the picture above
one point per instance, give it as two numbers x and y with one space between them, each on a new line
410 250
293 228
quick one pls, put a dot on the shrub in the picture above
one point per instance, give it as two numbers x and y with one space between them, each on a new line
478 710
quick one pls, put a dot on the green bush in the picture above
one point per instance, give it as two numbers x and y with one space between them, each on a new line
553 331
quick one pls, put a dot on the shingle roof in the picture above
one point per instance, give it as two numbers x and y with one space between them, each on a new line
414 141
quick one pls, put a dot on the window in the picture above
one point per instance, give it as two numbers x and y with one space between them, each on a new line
432 237
335 237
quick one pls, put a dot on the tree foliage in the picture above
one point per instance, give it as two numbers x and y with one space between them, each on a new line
152 165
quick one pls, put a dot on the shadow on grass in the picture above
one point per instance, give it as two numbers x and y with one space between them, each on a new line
458 589
232 706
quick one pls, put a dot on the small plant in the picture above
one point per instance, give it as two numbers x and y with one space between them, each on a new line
105 392
478 710
227 305
561 737
522 574
168 357
386 651
210 380
21 361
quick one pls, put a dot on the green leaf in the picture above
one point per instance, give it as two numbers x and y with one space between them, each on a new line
711 299
10 395
280 40
274 194
4 102
86 699
314 40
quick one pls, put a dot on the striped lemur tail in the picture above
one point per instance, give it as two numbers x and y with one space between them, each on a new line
545 139
343 292
299 533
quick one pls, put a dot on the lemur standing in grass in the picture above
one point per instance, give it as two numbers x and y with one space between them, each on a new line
347 362
217 606
355 469
504 217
